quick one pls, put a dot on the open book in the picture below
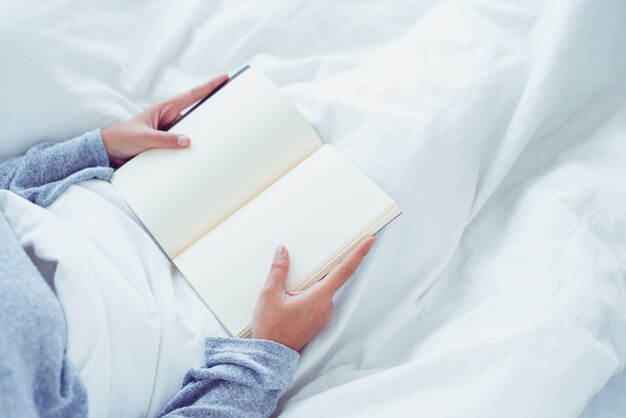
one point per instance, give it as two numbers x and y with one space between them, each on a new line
255 176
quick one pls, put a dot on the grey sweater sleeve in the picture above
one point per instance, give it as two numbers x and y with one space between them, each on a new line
239 378
46 170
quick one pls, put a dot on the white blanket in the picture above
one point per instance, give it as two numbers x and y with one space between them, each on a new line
499 128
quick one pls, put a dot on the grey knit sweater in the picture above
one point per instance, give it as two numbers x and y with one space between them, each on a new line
239 378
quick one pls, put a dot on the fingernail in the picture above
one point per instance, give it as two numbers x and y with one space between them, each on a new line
183 141
280 251
372 243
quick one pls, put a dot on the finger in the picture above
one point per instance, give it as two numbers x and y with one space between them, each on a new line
196 94
338 276
277 277
296 293
160 139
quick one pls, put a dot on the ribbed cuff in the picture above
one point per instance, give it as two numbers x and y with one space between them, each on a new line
277 358
94 147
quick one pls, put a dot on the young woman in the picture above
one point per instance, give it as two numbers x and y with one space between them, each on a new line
239 377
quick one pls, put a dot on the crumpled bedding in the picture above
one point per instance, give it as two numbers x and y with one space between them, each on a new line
499 128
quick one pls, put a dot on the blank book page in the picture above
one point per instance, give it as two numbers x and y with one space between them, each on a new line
242 139
313 210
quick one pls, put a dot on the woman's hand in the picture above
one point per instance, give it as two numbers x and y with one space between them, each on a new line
125 140
294 318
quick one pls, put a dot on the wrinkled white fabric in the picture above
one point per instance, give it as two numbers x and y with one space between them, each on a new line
499 128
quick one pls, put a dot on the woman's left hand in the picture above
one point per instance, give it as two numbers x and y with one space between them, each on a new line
127 139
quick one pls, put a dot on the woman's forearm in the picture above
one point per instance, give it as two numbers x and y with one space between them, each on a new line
240 378
46 170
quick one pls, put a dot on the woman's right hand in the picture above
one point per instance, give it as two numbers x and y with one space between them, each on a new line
294 318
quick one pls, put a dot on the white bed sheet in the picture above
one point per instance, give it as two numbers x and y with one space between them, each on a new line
499 128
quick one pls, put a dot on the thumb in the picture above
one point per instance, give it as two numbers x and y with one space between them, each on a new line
277 278
161 139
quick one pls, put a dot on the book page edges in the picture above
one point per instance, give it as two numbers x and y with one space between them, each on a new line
391 212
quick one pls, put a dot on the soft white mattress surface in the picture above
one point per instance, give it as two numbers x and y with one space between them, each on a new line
499 128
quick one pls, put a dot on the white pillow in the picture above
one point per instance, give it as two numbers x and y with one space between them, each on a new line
70 66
